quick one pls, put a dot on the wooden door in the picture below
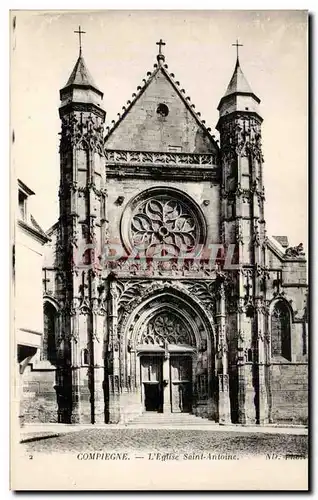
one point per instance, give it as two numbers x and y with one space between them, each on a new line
151 379
181 384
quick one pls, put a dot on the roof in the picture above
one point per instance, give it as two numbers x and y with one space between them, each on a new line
163 68
33 228
37 226
80 76
276 247
238 84
52 229
25 188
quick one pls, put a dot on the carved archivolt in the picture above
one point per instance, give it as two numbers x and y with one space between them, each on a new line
133 293
176 295
161 222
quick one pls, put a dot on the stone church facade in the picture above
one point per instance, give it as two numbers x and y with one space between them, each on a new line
162 290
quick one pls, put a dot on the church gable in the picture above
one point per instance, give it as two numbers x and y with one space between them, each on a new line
160 119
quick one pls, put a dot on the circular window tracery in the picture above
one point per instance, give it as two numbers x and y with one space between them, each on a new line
163 223
166 327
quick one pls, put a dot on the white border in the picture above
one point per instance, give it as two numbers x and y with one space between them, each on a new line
5 255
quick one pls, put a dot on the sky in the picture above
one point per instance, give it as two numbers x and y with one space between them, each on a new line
119 48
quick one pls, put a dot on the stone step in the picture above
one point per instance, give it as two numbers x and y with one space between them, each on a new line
170 419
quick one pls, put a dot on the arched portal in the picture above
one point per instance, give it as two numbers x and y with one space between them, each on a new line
168 356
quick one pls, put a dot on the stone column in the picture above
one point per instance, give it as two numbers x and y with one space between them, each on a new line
223 376
75 364
245 369
98 329
263 414
113 356
138 385
241 372
166 384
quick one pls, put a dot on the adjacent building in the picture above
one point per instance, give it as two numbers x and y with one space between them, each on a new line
27 289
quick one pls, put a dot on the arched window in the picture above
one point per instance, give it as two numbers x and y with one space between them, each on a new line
49 339
280 331
85 357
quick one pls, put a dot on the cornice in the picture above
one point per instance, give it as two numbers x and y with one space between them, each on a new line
234 115
82 107
168 165
163 172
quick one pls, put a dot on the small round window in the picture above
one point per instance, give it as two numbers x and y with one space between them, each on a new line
162 110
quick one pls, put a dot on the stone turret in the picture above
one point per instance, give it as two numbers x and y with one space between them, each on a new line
243 225
81 227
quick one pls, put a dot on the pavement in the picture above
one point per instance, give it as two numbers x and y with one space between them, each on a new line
36 432
137 442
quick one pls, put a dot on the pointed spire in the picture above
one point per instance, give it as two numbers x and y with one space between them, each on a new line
81 89
238 82
238 87
80 75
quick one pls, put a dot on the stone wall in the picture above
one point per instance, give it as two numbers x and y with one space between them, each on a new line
144 128
288 380
289 393
39 402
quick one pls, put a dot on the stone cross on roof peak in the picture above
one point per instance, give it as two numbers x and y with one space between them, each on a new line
160 56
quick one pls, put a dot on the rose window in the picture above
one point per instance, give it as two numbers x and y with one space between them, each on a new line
166 328
163 221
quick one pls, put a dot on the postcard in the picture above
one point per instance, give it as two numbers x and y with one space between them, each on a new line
159 232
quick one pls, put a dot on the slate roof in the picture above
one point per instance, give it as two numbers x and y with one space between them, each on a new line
238 82
80 76
238 85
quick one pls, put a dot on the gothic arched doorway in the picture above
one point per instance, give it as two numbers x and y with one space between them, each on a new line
166 346
168 356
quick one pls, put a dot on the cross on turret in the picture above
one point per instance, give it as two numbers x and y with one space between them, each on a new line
80 33
237 45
